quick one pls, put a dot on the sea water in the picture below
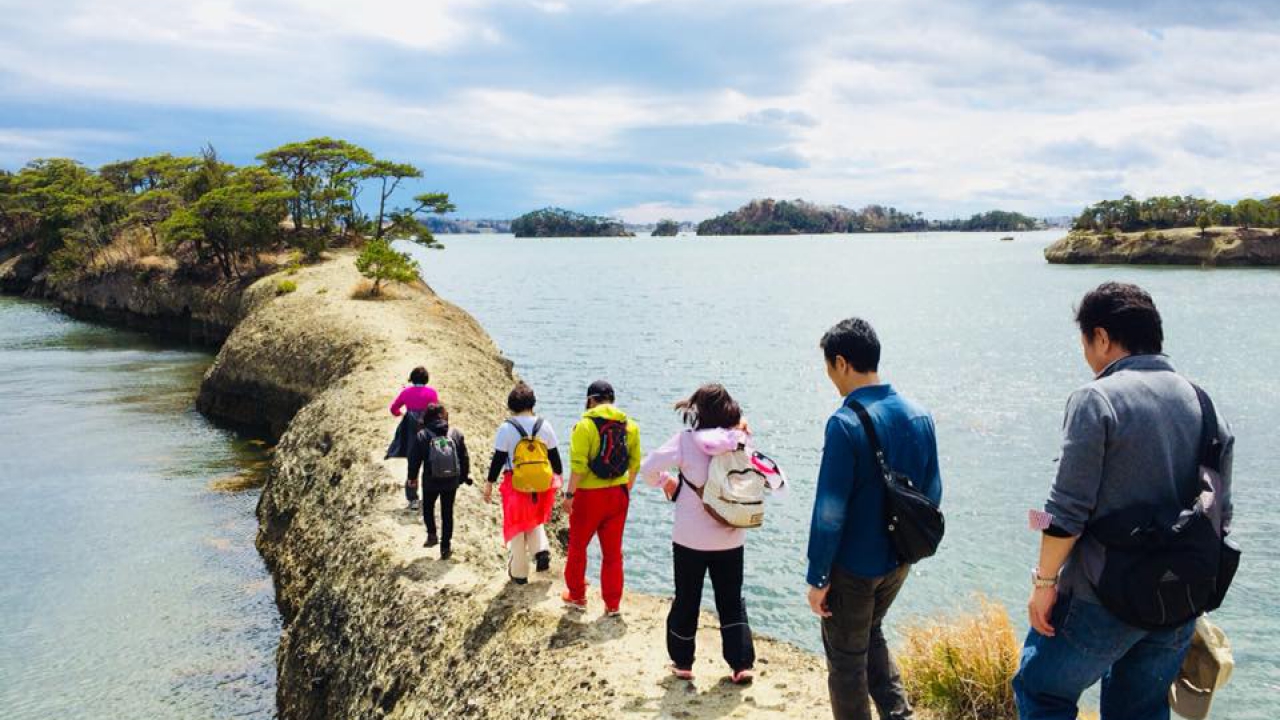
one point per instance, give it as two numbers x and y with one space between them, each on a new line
131 588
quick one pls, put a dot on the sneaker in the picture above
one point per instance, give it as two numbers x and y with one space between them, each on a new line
571 603
542 561
432 541
414 505
520 581
682 673
446 552
613 612
742 677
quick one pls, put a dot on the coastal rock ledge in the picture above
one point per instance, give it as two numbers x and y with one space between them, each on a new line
376 626
1217 246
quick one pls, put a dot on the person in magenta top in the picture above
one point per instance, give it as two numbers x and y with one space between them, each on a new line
409 406
701 544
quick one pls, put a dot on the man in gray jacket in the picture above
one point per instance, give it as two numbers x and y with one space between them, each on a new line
1131 438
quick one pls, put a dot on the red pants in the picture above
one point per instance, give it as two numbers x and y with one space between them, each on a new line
601 511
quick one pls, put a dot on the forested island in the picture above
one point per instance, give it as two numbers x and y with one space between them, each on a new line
666 228
1173 230
795 217
197 218
558 222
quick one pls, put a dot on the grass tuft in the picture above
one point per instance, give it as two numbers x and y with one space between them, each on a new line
962 666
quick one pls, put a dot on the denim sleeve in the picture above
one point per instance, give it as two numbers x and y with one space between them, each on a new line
836 476
932 480
1074 496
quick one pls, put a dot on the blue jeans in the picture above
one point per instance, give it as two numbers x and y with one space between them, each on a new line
1136 666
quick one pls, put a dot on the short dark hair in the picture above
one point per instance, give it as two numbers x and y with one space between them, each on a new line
600 391
435 411
1127 313
854 340
710 406
419 376
521 399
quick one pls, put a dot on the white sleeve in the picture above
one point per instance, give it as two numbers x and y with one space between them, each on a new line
502 441
548 435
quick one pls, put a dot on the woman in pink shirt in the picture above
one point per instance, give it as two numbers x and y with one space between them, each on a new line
701 544
413 400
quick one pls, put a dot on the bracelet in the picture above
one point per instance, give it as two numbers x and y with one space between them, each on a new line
1043 582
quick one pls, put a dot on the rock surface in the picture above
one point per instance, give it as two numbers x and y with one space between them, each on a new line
376 626
1219 246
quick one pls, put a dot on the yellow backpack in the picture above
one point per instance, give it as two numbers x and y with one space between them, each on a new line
530 466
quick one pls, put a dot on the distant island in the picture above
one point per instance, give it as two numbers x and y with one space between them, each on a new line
666 228
558 222
1173 230
460 226
796 217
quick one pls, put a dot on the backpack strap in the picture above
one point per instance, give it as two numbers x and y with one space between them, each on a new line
685 481
1210 454
869 428
537 425
512 422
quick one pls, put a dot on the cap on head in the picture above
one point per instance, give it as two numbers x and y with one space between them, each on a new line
600 391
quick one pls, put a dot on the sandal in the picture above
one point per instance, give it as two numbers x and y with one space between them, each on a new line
682 673
742 677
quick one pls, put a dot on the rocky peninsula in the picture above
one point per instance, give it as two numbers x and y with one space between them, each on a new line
1214 246
375 626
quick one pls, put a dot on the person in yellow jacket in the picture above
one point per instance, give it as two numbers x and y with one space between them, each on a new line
604 457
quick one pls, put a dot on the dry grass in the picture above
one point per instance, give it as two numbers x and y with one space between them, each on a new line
133 249
364 291
960 667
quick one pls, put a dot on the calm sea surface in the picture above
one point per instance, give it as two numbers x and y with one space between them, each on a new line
978 330
131 589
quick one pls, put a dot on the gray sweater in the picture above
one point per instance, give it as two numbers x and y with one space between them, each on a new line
1130 437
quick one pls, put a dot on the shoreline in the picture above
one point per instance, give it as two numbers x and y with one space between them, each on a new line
375 625
1215 247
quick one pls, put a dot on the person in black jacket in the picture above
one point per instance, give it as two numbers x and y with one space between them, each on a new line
446 464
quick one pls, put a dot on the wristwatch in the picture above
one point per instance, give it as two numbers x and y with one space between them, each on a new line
1043 582
568 496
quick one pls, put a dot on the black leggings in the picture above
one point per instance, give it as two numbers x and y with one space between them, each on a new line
725 567
446 513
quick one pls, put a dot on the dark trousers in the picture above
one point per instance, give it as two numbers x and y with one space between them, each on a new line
859 668
446 513
416 457
725 567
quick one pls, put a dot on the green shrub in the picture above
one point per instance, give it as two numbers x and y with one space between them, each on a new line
284 287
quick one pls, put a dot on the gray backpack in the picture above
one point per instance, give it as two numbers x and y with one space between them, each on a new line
442 456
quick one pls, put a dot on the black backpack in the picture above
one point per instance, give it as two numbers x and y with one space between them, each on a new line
914 523
1162 571
614 458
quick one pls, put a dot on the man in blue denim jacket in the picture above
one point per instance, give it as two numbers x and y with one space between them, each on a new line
1130 438
854 574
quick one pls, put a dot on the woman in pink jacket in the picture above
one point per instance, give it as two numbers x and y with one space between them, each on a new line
701 544
412 401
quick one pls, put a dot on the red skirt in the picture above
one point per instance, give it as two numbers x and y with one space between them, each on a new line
521 511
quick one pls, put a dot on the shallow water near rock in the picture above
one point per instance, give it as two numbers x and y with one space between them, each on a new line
132 589
977 329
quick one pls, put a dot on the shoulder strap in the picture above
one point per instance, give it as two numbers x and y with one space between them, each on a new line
537 425
512 422
1210 442
869 428
430 434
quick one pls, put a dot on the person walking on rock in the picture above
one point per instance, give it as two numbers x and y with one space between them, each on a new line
446 464
700 542
412 400
1143 448
604 457
854 572
526 454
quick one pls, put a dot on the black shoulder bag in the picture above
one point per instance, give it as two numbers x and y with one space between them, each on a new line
914 523
1163 569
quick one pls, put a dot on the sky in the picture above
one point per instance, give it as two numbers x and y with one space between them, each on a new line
643 109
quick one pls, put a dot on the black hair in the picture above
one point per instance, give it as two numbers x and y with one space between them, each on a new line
434 412
521 399
1127 313
854 340
710 406
419 376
